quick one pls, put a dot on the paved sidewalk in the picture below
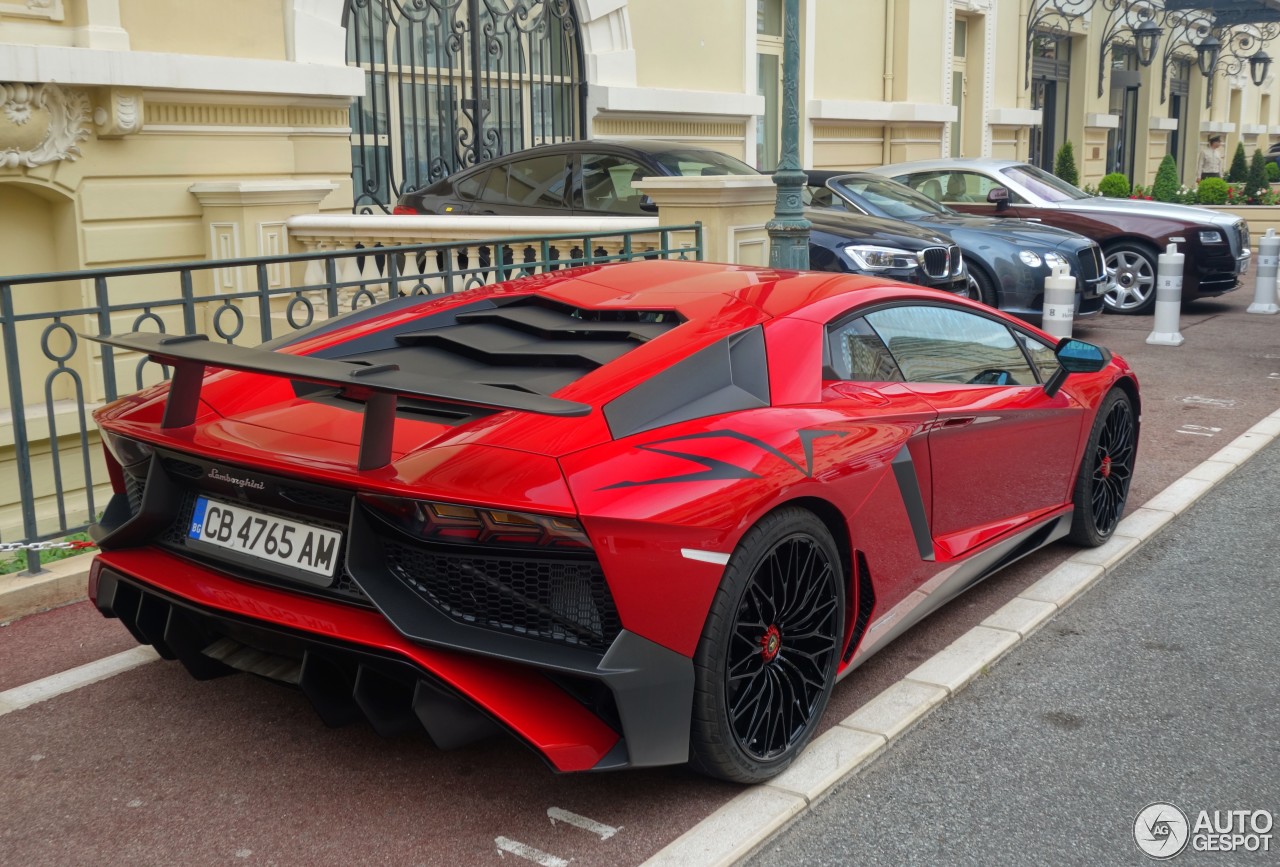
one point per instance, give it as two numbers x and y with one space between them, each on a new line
1160 685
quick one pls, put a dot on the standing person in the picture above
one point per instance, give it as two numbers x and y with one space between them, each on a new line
1211 159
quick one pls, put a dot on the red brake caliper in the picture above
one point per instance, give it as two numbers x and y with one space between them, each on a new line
770 643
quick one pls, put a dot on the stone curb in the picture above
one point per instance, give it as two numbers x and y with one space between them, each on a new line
735 830
62 582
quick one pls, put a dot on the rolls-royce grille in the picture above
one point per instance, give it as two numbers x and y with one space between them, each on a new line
1242 236
563 600
936 261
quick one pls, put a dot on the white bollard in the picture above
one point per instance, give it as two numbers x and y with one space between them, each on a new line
1168 298
1264 292
1059 302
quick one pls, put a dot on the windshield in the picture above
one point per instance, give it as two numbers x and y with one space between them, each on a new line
1043 184
701 162
889 197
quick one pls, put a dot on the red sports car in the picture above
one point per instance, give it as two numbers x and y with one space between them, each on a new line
634 515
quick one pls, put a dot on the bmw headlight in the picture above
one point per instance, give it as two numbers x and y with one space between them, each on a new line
870 257
1210 236
1053 260
1029 258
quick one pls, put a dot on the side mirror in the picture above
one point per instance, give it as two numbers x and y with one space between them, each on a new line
648 204
999 197
1075 356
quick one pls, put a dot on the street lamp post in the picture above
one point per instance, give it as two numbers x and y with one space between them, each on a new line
789 230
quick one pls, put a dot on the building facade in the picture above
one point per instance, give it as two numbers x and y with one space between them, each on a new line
145 130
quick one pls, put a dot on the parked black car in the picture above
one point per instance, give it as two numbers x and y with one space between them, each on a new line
1007 259
597 178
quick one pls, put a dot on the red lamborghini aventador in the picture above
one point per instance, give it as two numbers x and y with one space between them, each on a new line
633 515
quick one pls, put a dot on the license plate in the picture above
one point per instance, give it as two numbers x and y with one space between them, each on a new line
266 537
1243 266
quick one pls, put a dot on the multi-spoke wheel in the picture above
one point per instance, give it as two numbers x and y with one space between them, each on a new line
768 654
1105 471
1135 288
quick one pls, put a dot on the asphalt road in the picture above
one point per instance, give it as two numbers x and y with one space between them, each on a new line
1160 685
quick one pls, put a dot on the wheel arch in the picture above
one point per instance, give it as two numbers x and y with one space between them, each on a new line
1131 240
997 288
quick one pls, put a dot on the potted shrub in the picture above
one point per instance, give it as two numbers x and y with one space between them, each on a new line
1165 188
1064 165
1114 185
1212 191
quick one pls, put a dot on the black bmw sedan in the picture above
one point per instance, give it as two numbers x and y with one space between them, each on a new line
1008 259
596 178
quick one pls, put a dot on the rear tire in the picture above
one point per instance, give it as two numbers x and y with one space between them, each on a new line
767 659
1105 471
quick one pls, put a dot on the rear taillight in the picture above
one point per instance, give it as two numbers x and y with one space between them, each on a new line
451 523
128 452
125 455
114 471
403 211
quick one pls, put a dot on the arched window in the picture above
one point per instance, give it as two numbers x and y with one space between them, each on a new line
450 83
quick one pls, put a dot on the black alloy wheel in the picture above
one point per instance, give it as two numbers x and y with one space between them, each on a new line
1105 472
767 659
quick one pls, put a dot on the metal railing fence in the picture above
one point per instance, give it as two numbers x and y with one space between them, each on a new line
73 375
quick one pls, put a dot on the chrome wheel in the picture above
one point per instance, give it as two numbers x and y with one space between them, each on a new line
1134 291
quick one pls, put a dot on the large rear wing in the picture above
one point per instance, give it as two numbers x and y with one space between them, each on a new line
378 386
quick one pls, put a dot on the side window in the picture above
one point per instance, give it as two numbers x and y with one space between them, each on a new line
979 185
858 353
957 187
942 344
538 182
495 185
470 186
1041 354
607 184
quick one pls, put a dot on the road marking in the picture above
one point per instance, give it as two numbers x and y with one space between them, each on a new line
72 679
601 830
1273 376
1198 430
1224 402
520 850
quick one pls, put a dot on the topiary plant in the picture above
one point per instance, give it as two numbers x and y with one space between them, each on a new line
1255 185
1239 165
1114 185
1165 188
1212 191
1064 166
1273 173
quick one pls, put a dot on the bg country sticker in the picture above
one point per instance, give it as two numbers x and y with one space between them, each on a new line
1163 831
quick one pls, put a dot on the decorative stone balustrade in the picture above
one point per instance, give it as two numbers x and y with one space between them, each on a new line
465 257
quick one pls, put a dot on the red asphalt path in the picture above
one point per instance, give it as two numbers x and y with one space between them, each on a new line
151 767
